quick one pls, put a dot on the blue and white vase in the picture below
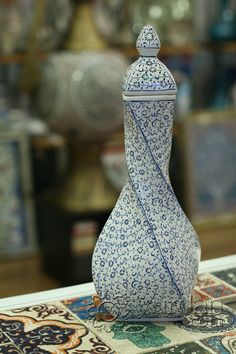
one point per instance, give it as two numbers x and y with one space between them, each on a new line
146 258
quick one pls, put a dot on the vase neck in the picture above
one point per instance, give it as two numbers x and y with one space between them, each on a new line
149 124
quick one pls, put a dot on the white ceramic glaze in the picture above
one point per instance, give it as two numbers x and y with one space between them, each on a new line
146 258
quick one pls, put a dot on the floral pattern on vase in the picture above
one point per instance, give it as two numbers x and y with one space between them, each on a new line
146 258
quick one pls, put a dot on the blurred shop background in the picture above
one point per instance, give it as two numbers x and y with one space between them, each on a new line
62 162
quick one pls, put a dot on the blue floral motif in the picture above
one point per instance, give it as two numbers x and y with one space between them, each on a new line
148 73
146 258
148 38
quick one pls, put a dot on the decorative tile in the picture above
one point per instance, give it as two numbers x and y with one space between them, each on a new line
187 348
217 288
83 307
225 344
229 276
199 297
131 337
122 336
143 335
96 346
47 311
128 337
207 318
88 308
48 328
57 327
28 334
205 280
219 291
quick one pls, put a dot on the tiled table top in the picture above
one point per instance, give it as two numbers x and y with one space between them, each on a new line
68 321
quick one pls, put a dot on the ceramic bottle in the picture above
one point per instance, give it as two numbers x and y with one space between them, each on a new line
146 258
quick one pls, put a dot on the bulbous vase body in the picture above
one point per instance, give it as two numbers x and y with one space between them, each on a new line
146 258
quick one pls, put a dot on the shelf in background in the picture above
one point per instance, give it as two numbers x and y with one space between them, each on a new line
20 57
166 50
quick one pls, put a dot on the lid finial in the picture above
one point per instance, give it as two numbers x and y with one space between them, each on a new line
148 42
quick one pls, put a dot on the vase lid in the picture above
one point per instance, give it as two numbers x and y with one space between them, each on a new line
148 75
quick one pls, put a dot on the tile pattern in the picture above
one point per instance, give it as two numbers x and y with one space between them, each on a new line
218 285
199 297
46 328
187 348
218 291
82 325
205 280
225 344
206 319
84 307
9 348
142 335
229 276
